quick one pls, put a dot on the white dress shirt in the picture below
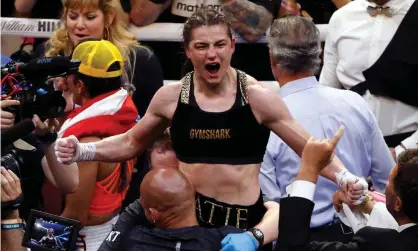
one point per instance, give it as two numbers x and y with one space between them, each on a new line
321 110
354 43
303 189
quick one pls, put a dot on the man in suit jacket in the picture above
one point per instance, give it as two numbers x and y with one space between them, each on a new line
401 202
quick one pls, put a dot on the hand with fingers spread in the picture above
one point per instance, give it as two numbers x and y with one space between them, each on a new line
10 185
7 118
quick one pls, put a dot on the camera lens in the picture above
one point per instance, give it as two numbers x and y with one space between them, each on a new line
12 161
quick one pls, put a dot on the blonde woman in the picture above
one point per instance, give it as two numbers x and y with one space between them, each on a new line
102 19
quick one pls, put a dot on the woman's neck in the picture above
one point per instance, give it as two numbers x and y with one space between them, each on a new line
227 82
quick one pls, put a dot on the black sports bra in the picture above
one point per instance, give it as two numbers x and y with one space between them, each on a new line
230 137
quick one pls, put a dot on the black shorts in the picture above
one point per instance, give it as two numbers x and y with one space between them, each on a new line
213 213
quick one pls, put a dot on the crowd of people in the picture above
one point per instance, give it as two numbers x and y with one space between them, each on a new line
217 161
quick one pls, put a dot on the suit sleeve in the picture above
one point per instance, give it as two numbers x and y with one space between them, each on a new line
294 227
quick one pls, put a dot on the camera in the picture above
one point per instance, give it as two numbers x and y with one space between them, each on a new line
50 232
28 84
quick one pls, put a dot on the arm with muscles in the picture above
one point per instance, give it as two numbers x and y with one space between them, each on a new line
296 210
270 110
249 20
78 203
12 227
144 12
124 146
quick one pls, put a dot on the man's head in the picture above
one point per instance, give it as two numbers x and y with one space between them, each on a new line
402 188
99 72
295 47
162 154
168 197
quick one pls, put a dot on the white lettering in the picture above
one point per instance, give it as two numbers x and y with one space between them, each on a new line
109 237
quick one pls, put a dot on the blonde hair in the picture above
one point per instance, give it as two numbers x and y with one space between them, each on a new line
117 32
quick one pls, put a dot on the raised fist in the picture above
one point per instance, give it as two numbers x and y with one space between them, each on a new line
67 150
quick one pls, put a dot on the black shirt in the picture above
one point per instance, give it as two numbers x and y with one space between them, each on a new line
189 238
253 58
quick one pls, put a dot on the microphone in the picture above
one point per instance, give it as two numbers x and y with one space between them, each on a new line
43 67
21 129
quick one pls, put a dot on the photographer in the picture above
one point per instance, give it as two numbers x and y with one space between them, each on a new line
11 225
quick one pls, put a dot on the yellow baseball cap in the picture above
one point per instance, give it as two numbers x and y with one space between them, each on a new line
96 57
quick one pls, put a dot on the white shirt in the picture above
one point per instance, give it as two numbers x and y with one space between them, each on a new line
354 43
306 189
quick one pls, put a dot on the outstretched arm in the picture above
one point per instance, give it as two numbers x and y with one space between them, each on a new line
270 110
127 145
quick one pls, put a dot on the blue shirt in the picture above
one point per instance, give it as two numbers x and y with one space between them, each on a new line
321 110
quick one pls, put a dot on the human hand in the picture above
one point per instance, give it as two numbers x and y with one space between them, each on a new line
239 242
7 118
10 185
317 154
338 199
69 150
356 188
60 84
43 128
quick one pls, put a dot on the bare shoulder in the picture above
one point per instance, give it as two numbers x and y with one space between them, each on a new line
165 100
257 91
265 103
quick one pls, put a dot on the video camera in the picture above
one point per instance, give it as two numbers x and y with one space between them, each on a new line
28 84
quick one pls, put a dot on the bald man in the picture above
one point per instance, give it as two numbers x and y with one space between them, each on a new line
168 200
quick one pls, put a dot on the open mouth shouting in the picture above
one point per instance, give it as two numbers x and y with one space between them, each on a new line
212 68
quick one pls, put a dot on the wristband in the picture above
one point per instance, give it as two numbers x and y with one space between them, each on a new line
86 152
12 226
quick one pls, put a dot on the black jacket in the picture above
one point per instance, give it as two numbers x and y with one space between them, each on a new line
295 215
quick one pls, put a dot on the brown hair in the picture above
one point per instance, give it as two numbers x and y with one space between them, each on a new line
202 17
407 157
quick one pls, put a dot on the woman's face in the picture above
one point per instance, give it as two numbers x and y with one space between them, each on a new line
210 50
85 23
73 86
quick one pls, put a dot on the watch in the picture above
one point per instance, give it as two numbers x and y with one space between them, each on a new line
259 236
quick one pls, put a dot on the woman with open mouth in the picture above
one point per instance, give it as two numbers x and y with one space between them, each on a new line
220 124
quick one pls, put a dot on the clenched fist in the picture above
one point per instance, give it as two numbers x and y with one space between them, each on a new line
67 150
